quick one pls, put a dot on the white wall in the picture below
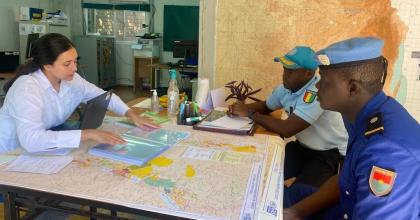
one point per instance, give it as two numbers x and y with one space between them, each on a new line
9 16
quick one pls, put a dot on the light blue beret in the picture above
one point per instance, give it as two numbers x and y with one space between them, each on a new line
350 51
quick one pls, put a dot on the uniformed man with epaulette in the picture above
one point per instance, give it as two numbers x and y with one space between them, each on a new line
380 178
321 137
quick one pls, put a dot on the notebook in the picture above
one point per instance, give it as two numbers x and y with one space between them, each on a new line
219 121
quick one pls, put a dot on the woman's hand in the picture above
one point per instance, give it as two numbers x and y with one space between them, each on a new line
103 137
141 122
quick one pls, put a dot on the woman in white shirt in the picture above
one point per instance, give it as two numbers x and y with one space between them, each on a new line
44 94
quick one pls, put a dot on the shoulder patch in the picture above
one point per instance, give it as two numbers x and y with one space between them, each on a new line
381 181
309 96
374 125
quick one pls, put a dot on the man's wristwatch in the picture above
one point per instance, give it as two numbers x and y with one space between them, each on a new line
251 113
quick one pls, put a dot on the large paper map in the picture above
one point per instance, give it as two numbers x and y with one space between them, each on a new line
207 176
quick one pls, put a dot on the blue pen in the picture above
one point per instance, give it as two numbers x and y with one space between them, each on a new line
180 119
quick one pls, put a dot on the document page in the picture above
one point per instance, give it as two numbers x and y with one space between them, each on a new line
39 164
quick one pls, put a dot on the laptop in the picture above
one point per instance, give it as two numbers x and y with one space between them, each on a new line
95 110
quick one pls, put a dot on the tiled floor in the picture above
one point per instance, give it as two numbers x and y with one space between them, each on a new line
126 93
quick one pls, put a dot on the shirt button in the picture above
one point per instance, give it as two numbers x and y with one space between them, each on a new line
345 216
347 193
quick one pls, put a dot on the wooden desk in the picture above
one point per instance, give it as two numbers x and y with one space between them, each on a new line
259 130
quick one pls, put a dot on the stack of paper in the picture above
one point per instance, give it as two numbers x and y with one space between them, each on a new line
219 119
39 164
234 123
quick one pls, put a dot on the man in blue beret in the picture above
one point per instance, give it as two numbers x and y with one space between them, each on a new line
380 178
321 137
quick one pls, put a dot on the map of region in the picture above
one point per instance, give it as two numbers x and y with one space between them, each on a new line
251 33
206 176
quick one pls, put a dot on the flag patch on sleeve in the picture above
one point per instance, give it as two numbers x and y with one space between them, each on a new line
309 96
381 181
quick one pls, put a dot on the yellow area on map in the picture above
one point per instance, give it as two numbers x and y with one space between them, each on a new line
248 149
161 161
141 172
189 171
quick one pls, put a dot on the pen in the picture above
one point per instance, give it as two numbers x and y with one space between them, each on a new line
180 119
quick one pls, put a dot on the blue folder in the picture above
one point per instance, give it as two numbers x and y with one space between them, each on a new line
137 151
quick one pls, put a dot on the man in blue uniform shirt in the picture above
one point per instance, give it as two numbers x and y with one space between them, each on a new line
380 178
321 137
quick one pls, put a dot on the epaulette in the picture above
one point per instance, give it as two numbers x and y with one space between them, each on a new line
374 125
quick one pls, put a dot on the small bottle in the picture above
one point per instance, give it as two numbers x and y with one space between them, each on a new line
155 107
173 94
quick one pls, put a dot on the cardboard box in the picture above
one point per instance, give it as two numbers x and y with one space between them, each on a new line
27 13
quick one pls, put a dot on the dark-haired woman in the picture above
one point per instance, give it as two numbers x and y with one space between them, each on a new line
44 94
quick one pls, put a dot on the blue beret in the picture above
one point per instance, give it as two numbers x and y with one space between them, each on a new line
350 51
299 57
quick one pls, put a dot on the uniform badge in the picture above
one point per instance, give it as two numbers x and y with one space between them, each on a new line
381 181
309 96
374 125
324 60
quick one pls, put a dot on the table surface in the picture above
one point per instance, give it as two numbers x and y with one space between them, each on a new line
86 174
259 130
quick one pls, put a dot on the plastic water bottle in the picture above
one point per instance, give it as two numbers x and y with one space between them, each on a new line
155 107
173 94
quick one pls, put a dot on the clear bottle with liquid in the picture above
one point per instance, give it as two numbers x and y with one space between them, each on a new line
155 106
173 94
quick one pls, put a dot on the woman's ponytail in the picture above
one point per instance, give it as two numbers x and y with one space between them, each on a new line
44 52
29 67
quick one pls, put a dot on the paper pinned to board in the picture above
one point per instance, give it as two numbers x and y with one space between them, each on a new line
39 164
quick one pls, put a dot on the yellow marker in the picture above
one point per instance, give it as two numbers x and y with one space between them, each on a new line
189 171
142 171
161 161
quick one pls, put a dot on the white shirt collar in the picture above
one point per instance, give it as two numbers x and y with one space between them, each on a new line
46 84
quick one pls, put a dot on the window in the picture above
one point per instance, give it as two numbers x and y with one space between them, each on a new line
121 24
